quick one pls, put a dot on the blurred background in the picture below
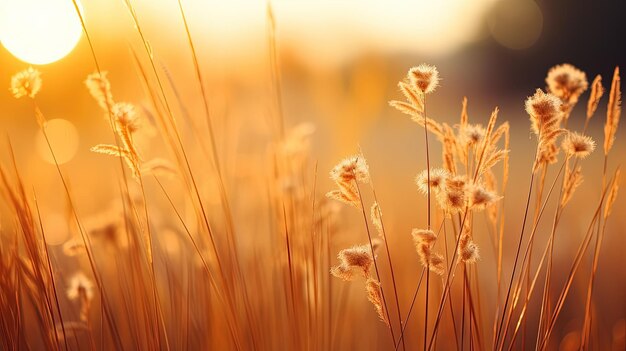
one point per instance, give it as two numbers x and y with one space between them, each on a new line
339 65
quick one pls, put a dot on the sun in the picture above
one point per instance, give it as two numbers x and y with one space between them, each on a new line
39 31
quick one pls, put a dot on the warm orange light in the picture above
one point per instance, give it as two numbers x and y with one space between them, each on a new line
63 138
39 31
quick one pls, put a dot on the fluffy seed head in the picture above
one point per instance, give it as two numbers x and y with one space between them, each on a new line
353 168
544 110
468 250
80 287
423 236
377 218
452 198
357 257
26 83
425 78
578 145
480 197
430 259
438 178
424 240
100 88
375 296
436 264
346 193
472 134
125 116
566 82
342 272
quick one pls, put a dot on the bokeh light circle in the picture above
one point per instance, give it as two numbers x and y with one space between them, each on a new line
64 139
39 31
516 24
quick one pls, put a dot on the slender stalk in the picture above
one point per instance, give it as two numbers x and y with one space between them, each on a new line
428 220
575 265
525 260
545 300
369 237
519 246
596 256
393 276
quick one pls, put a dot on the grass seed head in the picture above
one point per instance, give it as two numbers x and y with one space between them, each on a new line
567 83
424 78
100 89
438 178
375 296
544 110
578 145
26 83
80 287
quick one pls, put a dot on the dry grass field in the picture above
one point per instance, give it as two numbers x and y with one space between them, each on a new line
167 187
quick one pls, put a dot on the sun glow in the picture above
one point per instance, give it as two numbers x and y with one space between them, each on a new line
39 31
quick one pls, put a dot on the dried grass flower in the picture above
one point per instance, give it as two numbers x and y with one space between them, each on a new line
545 117
452 199
567 83
423 236
597 90
468 250
613 111
125 123
578 145
80 287
342 272
472 134
480 197
26 83
377 220
375 296
424 78
424 239
346 174
125 116
100 89
438 178
357 258
544 110
353 168
347 195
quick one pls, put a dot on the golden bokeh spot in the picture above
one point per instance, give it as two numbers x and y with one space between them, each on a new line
516 24
63 138
56 229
